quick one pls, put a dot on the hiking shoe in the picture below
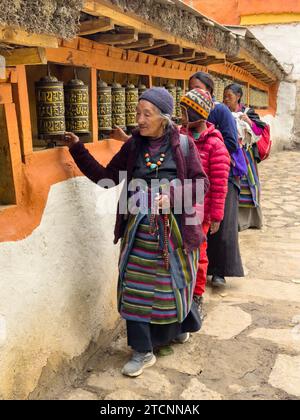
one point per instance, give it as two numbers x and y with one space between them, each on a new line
182 338
199 303
218 281
137 363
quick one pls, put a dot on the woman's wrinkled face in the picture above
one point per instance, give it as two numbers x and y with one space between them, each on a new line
195 83
231 99
149 120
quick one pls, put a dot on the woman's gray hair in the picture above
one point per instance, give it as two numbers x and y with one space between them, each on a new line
168 119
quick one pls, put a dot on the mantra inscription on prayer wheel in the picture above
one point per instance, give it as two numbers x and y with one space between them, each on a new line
177 107
172 90
142 89
50 106
77 106
131 100
104 106
118 105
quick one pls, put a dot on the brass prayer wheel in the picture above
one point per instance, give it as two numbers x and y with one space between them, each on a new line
118 105
131 101
179 92
104 106
50 106
77 106
172 89
142 89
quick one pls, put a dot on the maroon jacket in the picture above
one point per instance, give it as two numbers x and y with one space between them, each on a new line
124 160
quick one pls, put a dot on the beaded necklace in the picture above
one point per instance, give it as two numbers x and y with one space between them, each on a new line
152 165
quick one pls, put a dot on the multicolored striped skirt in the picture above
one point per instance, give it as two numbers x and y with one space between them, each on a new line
148 292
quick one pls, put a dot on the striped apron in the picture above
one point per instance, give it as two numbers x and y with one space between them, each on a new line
147 291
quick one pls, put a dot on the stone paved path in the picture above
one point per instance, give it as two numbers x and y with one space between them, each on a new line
249 346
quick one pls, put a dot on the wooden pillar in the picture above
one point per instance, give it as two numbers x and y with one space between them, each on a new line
10 156
21 99
94 110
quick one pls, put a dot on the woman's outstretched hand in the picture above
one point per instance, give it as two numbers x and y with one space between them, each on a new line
70 139
119 134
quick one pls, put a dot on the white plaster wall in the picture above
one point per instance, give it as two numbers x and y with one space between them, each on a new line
283 42
282 125
58 286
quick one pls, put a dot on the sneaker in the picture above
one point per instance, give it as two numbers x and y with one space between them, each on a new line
182 338
199 303
218 281
137 363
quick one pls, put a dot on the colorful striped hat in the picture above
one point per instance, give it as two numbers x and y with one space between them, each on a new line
198 100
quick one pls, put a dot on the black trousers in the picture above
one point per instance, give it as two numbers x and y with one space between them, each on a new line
144 337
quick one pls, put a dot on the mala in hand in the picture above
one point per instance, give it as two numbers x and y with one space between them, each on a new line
154 230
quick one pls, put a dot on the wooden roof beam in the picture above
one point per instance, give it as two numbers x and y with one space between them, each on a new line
167 50
157 44
144 41
131 35
33 56
101 24
103 8
188 54
19 36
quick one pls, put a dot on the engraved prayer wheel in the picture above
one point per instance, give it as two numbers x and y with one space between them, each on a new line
118 105
142 89
104 107
172 90
50 107
131 101
77 106
179 91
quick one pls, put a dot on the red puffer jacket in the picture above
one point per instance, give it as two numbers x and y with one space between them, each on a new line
215 160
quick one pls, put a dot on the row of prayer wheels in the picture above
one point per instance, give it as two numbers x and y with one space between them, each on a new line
117 105
62 108
259 98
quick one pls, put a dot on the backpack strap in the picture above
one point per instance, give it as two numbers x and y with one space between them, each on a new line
184 145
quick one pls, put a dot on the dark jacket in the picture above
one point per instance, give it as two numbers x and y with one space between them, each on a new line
221 117
187 168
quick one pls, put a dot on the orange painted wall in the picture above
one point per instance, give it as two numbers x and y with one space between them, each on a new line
42 170
229 12
223 12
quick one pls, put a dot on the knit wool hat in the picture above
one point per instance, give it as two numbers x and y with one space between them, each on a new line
161 98
198 100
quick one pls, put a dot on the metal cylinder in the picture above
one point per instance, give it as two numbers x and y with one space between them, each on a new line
131 101
50 107
178 97
118 105
77 106
104 107
172 90
141 88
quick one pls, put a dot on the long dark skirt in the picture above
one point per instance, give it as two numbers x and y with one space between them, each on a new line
223 247
144 337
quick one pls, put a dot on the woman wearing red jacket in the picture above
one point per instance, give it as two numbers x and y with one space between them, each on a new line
196 106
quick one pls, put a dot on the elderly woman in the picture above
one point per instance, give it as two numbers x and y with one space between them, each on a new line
250 214
159 249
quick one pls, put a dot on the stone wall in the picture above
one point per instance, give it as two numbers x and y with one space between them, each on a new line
55 17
